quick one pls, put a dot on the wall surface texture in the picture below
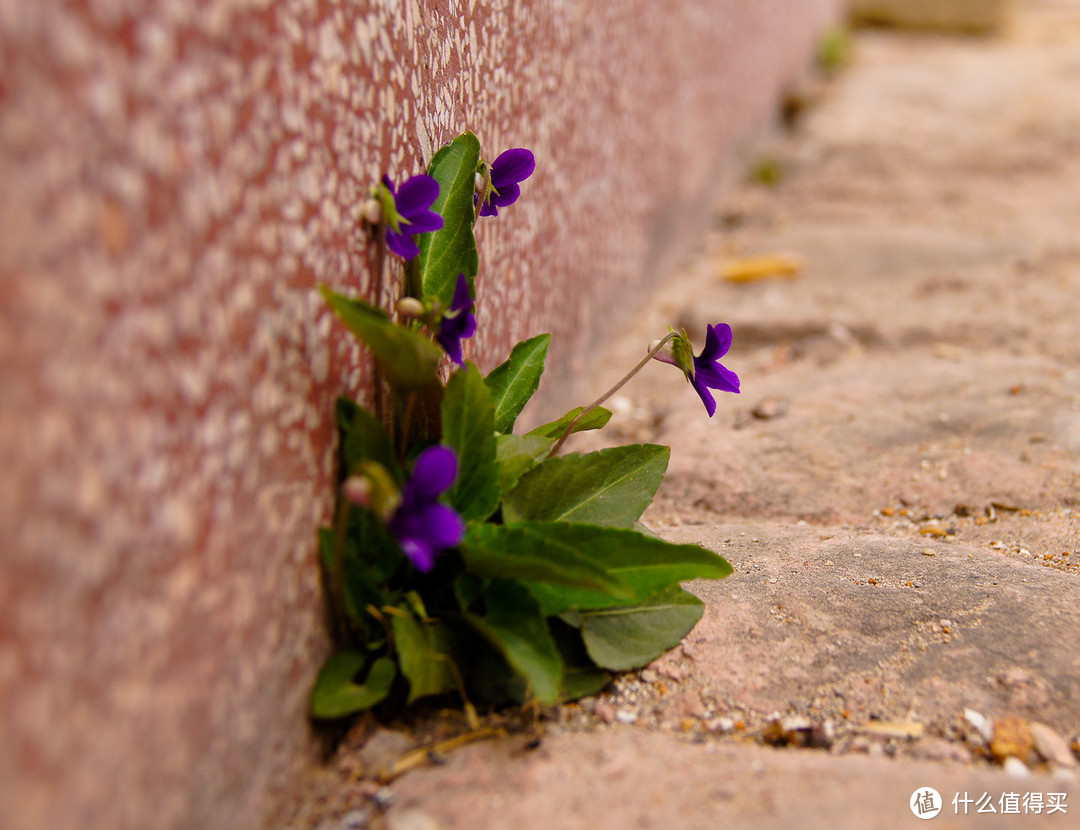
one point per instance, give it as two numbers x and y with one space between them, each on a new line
177 177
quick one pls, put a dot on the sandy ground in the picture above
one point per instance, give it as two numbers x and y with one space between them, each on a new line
897 486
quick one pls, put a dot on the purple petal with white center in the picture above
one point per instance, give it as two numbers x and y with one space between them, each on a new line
420 554
459 323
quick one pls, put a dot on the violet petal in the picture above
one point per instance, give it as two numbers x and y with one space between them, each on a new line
433 472
416 195
443 527
706 396
401 244
512 166
717 342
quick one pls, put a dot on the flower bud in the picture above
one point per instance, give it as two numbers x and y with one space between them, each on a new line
479 182
665 354
372 487
410 308
373 212
357 489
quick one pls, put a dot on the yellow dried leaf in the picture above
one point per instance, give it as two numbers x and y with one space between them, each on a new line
769 266
894 728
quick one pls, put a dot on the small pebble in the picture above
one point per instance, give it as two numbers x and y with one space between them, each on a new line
933 748
671 672
384 798
981 724
1064 776
721 725
625 716
1015 767
769 408
356 819
1051 746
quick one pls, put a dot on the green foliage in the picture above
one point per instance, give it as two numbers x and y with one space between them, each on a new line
408 360
631 636
516 455
609 487
543 554
595 419
468 422
363 439
529 576
336 691
834 49
513 622
513 382
766 171
425 651
451 250
646 564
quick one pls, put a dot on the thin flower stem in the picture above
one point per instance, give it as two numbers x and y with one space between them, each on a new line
380 264
570 427
337 576
483 194
406 423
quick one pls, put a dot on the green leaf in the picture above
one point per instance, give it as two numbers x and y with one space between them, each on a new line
467 423
516 455
512 383
610 487
596 419
641 528
513 623
363 439
409 360
362 577
543 553
628 637
451 250
425 652
581 676
336 692
645 563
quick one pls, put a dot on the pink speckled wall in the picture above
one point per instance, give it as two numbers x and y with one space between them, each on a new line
177 176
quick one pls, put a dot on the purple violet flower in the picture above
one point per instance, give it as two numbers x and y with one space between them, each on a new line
706 371
457 323
510 168
412 203
422 526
